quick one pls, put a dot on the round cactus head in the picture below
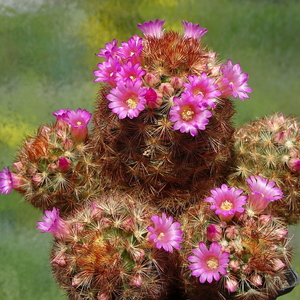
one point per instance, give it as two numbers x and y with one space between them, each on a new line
163 117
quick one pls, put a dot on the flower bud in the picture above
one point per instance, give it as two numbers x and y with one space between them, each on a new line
64 164
166 89
152 79
231 285
231 232
256 280
214 233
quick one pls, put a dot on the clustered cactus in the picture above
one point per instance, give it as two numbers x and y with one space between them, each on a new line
164 198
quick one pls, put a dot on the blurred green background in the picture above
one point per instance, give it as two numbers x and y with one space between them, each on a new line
47 60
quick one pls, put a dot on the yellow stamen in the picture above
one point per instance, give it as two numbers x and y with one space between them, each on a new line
160 236
186 113
213 263
226 205
79 123
131 103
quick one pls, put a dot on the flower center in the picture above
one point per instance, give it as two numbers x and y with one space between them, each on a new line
160 236
226 205
131 103
79 123
213 263
197 91
187 113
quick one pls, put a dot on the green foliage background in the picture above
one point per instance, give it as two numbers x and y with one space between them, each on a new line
47 61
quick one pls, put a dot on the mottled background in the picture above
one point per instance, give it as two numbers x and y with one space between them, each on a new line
47 60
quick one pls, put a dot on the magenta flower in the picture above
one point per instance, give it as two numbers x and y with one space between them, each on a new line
54 224
226 201
60 121
152 28
132 50
61 113
127 99
6 181
233 81
110 50
165 234
209 264
262 192
130 71
108 71
193 31
187 114
79 121
202 85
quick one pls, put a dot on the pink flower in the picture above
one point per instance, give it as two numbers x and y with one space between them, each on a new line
165 234
204 86
79 121
233 81
127 99
226 201
108 71
209 264
187 114
214 233
61 113
54 224
110 50
60 121
262 192
132 50
6 181
130 71
9 181
152 28
193 31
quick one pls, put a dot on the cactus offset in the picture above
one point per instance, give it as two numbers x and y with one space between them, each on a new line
107 253
55 169
244 257
269 147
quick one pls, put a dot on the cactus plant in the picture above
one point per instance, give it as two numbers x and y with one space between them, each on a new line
164 199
